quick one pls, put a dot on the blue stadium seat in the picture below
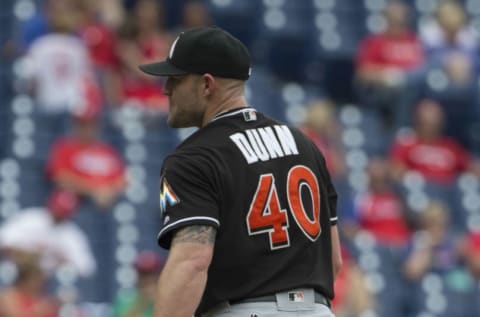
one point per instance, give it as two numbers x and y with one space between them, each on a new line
378 141
149 224
6 80
99 227
455 294
263 94
33 183
49 127
6 21
351 29
343 5
284 41
173 12
289 54
391 301
450 195
5 132
241 18
159 144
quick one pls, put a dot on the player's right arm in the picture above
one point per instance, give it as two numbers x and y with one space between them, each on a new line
190 217
183 279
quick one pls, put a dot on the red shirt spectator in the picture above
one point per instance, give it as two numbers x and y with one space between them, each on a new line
146 90
142 40
384 58
100 42
380 210
426 150
96 164
383 63
401 52
86 165
382 214
439 160
97 36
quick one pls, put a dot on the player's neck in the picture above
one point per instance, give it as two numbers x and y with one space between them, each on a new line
219 108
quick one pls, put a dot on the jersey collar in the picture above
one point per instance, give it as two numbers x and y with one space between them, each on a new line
232 112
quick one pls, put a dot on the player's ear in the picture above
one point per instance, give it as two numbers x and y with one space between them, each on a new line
209 84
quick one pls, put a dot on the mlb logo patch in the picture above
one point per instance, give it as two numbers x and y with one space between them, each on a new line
297 297
250 115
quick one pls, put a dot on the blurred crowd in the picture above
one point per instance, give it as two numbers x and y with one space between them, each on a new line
403 153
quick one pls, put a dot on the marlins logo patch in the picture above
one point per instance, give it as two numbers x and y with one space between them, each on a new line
167 195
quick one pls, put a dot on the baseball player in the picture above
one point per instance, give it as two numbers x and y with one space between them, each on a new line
247 203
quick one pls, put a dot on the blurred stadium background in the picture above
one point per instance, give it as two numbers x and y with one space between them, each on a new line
307 56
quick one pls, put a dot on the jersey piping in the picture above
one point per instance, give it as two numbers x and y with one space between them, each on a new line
234 113
185 220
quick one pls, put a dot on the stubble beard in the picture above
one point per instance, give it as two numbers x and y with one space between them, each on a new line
183 119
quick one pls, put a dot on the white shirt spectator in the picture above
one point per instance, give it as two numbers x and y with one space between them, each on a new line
59 64
63 243
433 36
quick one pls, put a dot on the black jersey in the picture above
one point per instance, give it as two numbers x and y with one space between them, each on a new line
265 187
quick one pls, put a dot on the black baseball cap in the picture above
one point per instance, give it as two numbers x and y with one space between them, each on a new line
204 50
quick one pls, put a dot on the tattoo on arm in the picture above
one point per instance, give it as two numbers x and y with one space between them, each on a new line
195 234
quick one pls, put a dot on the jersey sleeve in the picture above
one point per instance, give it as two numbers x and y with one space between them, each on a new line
188 196
331 192
332 203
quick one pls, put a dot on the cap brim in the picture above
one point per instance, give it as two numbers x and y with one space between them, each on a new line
162 69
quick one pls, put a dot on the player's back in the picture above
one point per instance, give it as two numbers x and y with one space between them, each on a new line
275 203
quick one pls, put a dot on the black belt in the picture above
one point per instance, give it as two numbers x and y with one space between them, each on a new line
319 299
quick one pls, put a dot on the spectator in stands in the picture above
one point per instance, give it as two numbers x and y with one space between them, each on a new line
322 127
433 249
434 254
143 39
101 42
385 60
40 23
49 233
428 151
380 211
458 96
27 297
195 14
59 69
139 303
352 298
452 50
98 38
86 165
110 13
470 252
449 29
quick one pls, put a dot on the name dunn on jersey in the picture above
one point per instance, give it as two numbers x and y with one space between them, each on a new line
265 143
